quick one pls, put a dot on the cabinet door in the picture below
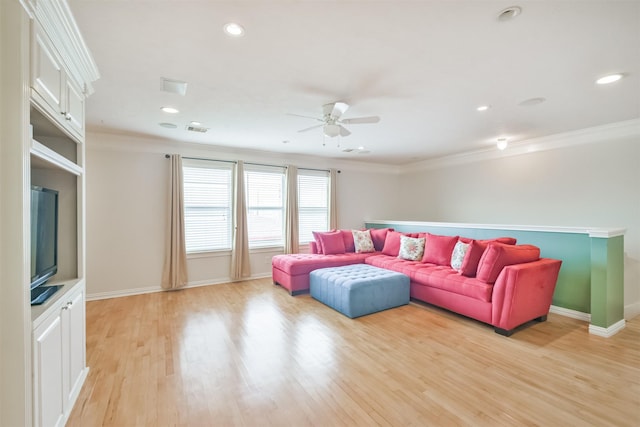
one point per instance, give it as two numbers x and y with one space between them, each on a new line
74 348
74 114
49 406
47 76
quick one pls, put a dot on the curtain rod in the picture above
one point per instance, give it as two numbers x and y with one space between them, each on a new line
166 156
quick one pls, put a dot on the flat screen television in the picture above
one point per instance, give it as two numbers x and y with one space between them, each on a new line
44 242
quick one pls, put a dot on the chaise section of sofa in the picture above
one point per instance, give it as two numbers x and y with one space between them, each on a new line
292 271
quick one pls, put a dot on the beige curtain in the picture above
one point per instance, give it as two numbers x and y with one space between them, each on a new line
291 238
174 274
240 267
333 197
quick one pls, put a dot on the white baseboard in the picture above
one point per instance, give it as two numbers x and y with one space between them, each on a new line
586 317
607 332
567 312
151 289
631 310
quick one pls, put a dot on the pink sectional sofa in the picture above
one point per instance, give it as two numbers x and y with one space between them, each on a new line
495 281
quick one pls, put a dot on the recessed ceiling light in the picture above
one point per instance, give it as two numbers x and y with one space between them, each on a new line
502 143
233 29
170 110
609 79
509 13
168 125
194 123
483 107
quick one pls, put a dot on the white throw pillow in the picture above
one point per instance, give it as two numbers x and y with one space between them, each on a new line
457 256
362 241
411 248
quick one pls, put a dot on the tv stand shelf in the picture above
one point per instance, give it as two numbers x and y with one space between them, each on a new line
40 312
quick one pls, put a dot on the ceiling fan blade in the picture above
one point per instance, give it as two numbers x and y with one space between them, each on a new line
306 117
361 120
309 128
338 109
344 131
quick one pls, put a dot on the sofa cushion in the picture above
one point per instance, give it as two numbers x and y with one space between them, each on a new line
469 266
347 237
378 236
396 264
457 256
448 279
332 243
471 259
296 264
411 248
438 249
499 255
485 242
316 237
362 241
392 243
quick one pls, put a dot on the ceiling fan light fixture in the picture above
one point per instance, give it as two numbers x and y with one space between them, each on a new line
331 130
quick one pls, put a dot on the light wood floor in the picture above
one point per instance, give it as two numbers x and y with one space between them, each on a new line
250 354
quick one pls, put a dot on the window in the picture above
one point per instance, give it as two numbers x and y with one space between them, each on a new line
264 192
208 188
313 203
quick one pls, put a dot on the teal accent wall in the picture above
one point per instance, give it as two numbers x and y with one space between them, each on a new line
591 278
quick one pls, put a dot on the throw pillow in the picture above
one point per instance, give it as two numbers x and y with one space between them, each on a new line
411 248
378 236
438 249
457 256
392 243
499 255
471 259
347 236
332 243
362 241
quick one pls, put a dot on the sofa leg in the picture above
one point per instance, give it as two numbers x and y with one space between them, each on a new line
503 332
541 318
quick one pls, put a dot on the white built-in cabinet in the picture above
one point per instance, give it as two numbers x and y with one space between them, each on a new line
53 91
61 71
59 356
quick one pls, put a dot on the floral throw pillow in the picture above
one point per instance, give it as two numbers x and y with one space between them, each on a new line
362 241
411 248
457 256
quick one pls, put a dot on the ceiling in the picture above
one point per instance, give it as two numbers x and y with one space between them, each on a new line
422 66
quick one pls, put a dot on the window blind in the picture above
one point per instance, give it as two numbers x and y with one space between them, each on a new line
313 203
208 189
264 192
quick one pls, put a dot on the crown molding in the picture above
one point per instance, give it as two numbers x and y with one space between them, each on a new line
144 144
605 133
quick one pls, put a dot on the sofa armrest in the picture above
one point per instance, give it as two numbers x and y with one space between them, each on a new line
524 292
313 248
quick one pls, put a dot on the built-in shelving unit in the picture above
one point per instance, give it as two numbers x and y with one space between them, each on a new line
43 143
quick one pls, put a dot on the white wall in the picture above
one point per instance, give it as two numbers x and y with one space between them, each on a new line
127 186
591 185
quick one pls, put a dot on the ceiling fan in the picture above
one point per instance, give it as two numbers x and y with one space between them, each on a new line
331 121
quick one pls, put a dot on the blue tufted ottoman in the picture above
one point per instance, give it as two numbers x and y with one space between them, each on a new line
359 289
